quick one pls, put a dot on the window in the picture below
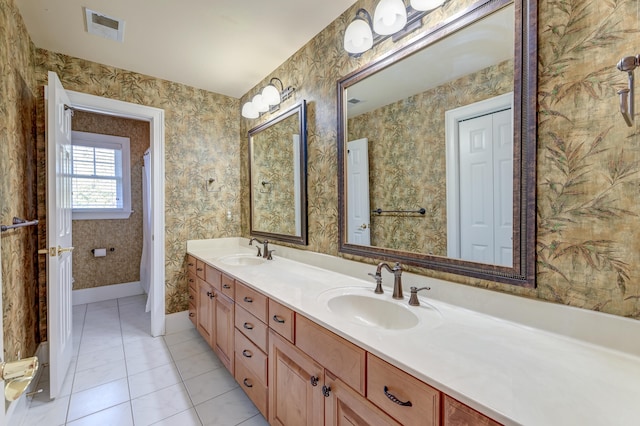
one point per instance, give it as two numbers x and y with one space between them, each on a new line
100 176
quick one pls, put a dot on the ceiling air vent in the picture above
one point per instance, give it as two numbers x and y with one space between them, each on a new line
104 26
354 101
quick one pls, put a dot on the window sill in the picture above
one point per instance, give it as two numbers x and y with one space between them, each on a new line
77 215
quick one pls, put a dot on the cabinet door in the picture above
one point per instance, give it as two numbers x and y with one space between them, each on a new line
345 407
293 397
203 314
457 414
224 330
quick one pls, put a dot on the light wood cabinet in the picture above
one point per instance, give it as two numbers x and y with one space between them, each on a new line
253 301
224 330
193 297
282 320
455 413
205 307
295 385
345 407
252 327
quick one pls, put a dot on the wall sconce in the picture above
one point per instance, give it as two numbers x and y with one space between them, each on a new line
268 99
391 18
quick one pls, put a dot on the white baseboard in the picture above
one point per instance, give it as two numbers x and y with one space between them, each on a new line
178 322
17 410
107 292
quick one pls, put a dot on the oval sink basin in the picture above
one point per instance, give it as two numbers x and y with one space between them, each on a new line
242 260
362 306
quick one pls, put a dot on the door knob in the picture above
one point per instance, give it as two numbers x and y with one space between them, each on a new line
50 251
364 226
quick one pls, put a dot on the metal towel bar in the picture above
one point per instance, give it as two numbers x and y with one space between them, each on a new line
421 210
18 223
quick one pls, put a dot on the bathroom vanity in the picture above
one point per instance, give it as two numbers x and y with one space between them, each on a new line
310 343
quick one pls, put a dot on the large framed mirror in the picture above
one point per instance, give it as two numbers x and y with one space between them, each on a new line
278 176
437 148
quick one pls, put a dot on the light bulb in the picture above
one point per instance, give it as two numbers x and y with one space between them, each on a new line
358 37
270 95
390 17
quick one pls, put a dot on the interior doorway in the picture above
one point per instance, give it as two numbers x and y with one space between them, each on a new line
155 117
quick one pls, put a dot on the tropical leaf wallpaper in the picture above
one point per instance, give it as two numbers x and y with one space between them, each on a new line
122 265
588 243
407 159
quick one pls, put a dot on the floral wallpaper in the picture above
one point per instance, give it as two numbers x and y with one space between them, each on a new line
201 141
273 159
588 242
407 159
122 265
18 185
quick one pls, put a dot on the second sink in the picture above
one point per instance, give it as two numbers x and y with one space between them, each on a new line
242 260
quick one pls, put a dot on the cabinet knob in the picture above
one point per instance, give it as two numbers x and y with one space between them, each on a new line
314 381
247 384
326 391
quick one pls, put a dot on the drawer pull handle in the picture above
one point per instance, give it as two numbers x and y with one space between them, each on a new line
209 293
212 295
248 299
190 280
248 326
247 384
326 390
247 353
314 381
278 319
190 264
199 269
396 400
191 297
191 314
227 286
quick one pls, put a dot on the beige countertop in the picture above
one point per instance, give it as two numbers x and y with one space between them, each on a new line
512 371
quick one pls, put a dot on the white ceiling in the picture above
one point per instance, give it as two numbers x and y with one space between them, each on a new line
224 46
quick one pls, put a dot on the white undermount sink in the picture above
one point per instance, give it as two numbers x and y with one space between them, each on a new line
360 305
244 259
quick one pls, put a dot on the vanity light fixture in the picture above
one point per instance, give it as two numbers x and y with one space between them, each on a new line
391 19
268 100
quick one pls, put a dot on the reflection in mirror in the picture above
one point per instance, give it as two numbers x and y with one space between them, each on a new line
277 172
433 155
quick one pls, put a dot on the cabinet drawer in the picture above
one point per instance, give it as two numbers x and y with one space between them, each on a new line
251 356
191 280
252 300
200 269
388 387
213 276
252 386
191 264
341 357
282 320
455 413
228 286
252 327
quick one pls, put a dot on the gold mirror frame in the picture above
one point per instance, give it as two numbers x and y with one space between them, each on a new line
522 273
302 239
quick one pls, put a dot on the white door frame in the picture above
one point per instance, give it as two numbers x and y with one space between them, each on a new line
155 117
451 118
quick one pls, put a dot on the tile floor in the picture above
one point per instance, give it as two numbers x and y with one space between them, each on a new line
122 376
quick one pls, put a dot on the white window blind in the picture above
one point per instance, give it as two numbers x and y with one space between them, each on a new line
100 176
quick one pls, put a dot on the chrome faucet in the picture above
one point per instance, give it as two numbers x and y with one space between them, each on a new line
265 253
397 277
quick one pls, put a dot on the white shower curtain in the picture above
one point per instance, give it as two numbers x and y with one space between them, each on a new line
145 261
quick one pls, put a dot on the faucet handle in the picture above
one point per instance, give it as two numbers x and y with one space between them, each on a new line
378 278
259 252
269 257
413 300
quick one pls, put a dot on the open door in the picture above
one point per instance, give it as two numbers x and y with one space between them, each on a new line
59 252
358 208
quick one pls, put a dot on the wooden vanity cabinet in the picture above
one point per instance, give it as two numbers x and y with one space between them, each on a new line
224 330
205 308
193 297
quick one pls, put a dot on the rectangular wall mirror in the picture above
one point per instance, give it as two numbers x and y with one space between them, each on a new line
437 146
277 175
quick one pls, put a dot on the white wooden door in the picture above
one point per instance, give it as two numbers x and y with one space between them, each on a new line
358 209
59 272
486 185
